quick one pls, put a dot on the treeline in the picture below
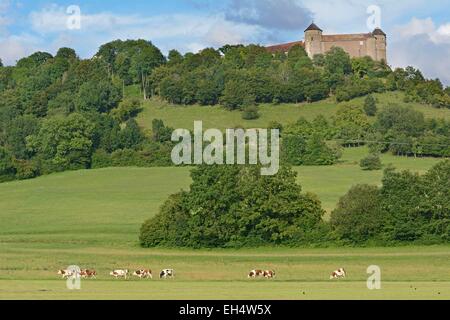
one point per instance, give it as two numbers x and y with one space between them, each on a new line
63 113
234 206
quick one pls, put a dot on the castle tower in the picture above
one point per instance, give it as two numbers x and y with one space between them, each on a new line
313 40
380 45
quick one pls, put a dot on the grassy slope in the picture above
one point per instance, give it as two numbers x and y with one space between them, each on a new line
218 117
109 205
92 218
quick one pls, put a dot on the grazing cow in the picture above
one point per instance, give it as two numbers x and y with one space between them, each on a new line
86 273
167 273
65 273
119 274
256 274
143 274
338 274
269 274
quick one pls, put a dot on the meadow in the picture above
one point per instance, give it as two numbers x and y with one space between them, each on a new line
218 117
91 218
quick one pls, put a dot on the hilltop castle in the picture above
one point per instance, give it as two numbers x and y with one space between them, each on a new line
356 45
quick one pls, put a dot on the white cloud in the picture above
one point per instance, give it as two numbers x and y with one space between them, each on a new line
15 47
274 14
5 20
185 32
422 44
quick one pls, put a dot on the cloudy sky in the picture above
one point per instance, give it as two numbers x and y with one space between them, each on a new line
418 30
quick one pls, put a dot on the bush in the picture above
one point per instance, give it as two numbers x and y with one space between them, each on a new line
26 169
250 113
101 159
371 162
370 106
127 109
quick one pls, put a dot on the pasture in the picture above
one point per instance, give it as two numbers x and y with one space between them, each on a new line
92 218
407 273
220 118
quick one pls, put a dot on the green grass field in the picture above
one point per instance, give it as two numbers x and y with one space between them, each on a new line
218 117
91 218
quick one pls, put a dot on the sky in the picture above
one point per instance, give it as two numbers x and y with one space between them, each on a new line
418 30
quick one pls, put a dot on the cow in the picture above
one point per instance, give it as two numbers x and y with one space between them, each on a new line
86 273
143 274
66 273
269 274
256 274
338 274
167 273
119 274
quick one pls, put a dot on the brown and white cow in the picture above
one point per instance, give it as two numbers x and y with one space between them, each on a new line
143 274
338 274
269 274
119 274
86 273
256 274
65 273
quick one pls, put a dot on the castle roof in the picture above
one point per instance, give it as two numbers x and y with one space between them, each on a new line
378 32
313 27
285 47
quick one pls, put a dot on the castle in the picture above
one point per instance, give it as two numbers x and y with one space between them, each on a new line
372 44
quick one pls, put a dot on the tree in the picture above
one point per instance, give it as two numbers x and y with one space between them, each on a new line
358 216
351 123
371 162
236 94
362 67
400 120
337 61
7 170
131 136
17 132
229 206
370 106
161 133
1 63
127 109
100 96
66 54
175 57
66 143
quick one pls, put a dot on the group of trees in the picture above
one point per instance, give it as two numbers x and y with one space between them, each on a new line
62 113
231 206
408 207
419 89
404 131
239 76
234 206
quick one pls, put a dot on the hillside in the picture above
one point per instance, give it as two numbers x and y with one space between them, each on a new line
177 116
108 206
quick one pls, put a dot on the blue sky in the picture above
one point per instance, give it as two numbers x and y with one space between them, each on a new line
418 30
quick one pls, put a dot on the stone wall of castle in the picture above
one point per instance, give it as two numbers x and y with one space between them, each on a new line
372 44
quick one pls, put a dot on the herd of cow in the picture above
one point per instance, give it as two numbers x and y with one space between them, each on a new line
170 273
92 274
